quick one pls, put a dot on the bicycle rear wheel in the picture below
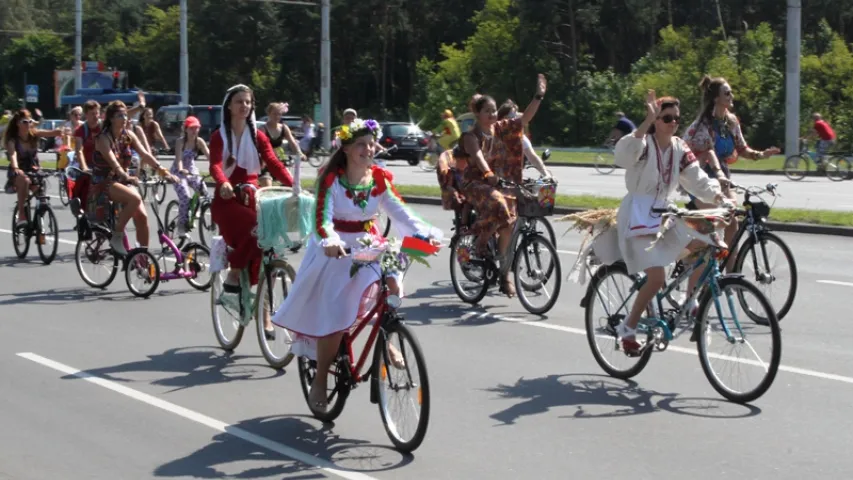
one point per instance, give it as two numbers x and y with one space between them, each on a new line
207 228
604 163
403 393
796 167
275 345
338 387
468 275
731 332
97 252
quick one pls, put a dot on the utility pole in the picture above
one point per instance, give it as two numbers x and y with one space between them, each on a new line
792 79
78 45
325 72
185 62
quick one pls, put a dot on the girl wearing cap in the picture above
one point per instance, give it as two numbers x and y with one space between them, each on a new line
350 192
237 153
187 149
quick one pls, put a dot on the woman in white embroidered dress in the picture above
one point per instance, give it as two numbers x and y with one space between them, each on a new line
324 301
656 162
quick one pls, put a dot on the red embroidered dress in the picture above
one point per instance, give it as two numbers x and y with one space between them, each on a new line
324 299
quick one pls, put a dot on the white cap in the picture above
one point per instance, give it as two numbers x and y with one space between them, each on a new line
352 111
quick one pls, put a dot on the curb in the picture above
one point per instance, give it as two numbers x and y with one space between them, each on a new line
808 228
733 170
774 226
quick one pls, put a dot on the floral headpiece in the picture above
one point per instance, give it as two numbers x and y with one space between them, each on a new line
358 128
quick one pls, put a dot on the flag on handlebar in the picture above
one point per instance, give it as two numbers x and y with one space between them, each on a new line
417 247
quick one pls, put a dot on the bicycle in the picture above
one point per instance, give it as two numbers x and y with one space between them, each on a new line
238 312
429 157
317 155
752 252
93 245
190 258
387 323
660 325
199 209
41 221
837 168
605 162
535 201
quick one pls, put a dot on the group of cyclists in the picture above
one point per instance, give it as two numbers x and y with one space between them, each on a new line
351 190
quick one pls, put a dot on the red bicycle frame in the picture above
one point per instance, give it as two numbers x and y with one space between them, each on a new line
378 311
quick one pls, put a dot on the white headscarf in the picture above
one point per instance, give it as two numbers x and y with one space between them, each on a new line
247 153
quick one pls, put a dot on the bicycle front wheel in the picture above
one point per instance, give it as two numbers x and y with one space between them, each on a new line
63 191
537 273
403 389
225 314
142 273
728 331
275 344
838 168
773 269
47 235
611 292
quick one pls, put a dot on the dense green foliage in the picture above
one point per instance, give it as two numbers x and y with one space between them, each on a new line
404 59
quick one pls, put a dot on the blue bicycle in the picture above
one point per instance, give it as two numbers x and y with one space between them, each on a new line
612 288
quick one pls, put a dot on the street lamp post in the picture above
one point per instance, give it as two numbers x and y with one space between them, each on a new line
792 79
185 63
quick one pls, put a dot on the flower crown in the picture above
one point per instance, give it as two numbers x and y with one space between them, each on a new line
358 128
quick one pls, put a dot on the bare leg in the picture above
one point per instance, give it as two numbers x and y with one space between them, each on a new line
327 349
129 198
397 359
655 277
504 237
22 186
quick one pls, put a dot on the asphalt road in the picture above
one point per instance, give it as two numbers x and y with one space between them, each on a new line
514 395
809 193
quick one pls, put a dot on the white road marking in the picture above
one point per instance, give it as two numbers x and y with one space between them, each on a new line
69 242
835 282
675 348
297 455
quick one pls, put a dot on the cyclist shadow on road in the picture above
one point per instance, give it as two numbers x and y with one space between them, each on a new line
600 396
33 261
194 366
227 453
64 296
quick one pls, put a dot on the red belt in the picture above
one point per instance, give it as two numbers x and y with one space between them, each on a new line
353 226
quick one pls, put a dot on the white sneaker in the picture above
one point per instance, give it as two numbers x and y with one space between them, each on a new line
117 244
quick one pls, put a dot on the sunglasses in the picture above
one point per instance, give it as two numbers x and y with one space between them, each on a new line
123 116
727 93
668 118
26 120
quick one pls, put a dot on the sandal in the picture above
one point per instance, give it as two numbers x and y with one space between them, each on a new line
315 404
508 288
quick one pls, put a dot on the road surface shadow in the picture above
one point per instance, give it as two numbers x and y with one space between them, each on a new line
32 260
63 296
193 366
600 396
228 453
450 313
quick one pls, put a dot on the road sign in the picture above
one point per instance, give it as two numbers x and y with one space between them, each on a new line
32 94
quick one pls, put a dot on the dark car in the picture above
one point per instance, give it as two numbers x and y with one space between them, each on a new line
410 140
293 123
171 119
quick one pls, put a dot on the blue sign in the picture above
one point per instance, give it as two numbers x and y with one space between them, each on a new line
32 93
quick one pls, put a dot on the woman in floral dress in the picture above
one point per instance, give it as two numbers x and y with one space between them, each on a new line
325 299
493 151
